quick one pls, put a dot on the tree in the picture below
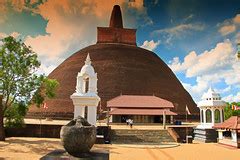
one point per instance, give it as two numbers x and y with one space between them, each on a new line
228 111
20 84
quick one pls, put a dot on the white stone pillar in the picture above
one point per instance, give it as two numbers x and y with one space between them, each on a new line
221 115
93 84
204 116
111 118
79 88
171 119
201 116
234 135
92 115
164 119
220 134
213 116
79 111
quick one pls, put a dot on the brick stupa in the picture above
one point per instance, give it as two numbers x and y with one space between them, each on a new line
122 68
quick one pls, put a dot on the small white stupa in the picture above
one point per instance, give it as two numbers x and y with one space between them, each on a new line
85 97
211 109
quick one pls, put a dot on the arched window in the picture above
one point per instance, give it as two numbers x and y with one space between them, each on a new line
208 116
86 81
202 116
217 116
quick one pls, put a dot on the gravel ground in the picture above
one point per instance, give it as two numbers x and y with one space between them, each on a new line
34 148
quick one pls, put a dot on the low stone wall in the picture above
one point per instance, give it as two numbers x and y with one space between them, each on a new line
33 130
50 131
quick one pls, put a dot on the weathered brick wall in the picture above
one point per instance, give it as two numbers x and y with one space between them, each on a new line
116 35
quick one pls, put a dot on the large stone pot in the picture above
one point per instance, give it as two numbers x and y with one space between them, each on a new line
78 136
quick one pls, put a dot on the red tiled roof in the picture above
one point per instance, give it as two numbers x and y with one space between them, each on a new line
139 102
231 123
127 111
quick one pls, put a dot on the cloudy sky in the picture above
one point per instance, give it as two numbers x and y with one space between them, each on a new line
197 39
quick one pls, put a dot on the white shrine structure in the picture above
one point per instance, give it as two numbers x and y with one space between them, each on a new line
211 109
85 99
211 112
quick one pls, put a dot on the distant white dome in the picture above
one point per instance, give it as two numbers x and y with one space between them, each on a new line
211 99
211 94
87 68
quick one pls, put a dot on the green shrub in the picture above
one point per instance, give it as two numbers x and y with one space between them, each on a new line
14 115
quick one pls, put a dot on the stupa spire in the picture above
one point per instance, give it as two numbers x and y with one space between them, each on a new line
116 17
88 60
115 33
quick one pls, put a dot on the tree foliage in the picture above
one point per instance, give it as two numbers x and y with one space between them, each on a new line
228 111
20 85
19 64
14 115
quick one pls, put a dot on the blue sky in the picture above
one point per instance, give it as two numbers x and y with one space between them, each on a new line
197 39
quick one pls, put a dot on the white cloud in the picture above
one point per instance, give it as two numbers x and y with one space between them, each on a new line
227 29
13 34
217 65
207 62
232 98
72 24
48 64
150 45
229 26
237 37
189 61
188 18
202 84
236 19
180 29
224 90
46 70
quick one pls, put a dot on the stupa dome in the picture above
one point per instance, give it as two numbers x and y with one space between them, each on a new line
122 68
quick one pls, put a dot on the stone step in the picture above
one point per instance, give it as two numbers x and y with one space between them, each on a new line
204 139
205 135
144 139
140 136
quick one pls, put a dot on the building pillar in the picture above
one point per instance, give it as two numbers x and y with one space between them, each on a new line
204 116
201 116
164 119
171 119
220 134
92 115
221 115
110 118
213 116
79 88
79 111
234 135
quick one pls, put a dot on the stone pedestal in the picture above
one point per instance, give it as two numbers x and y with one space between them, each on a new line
205 135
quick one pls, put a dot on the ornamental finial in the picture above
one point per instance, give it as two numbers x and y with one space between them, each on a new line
88 60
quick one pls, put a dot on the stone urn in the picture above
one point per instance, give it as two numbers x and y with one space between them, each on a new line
78 136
